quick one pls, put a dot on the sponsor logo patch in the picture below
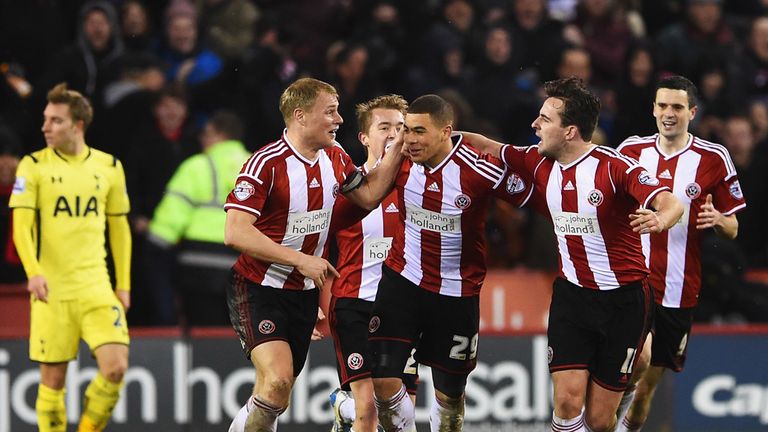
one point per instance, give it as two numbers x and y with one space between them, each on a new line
647 179
19 185
550 354
432 221
244 190
568 223
735 190
311 222
515 184
375 249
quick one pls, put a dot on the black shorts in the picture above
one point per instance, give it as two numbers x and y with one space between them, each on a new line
601 331
444 329
261 314
671 329
349 318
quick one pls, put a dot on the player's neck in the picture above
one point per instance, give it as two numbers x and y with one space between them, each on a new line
674 145
74 148
303 146
574 151
442 153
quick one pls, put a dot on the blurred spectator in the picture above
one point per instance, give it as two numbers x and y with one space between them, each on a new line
189 224
355 84
457 27
189 62
539 35
156 151
606 35
128 103
635 89
382 31
227 26
267 70
716 98
501 94
752 168
758 114
705 33
753 73
135 26
11 270
464 116
86 65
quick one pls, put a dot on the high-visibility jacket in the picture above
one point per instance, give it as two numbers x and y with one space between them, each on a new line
191 209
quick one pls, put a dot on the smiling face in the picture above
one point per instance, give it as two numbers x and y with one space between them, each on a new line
321 121
58 128
673 113
427 142
386 125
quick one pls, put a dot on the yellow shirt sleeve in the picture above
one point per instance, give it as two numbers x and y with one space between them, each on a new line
23 201
117 200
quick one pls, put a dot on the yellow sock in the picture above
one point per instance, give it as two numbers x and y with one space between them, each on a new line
51 414
100 399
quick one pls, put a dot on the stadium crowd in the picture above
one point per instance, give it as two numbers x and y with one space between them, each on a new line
157 73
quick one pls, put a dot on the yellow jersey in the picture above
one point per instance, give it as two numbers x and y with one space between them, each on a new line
72 195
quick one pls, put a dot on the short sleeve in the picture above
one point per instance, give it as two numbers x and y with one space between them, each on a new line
24 194
727 196
521 159
117 199
637 182
251 189
516 188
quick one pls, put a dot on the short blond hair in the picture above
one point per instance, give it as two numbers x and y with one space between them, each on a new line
79 106
365 110
303 93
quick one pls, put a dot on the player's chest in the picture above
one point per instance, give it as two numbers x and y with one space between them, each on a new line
444 191
73 191
583 190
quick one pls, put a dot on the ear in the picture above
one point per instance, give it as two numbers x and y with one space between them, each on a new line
694 110
363 138
571 132
299 116
447 131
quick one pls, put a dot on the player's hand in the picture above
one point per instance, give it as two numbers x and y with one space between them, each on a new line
708 217
317 334
38 286
124 297
316 268
645 221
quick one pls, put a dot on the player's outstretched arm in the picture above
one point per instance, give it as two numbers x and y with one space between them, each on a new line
23 224
668 212
709 217
241 234
120 245
483 143
377 184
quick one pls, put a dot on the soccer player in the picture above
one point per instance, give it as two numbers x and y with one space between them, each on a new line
363 245
703 177
278 216
64 197
429 292
599 201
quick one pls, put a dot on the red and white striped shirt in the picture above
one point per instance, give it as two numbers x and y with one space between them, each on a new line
589 201
699 169
439 244
293 199
363 246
